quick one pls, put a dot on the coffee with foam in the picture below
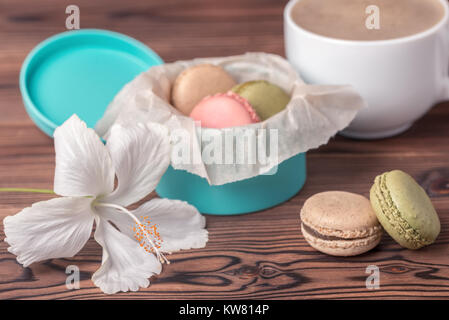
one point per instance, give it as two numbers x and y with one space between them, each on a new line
347 19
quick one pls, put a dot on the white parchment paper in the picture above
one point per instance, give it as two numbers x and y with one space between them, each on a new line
314 114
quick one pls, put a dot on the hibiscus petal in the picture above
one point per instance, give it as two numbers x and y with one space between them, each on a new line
125 265
141 155
179 224
56 228
83 165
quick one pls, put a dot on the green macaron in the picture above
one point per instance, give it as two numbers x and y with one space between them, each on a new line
266 98
404 210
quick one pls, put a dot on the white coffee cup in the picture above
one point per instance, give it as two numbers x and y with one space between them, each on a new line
400 79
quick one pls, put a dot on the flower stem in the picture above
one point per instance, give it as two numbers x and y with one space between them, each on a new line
47 191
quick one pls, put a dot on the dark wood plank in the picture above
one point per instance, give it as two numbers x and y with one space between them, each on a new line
259 255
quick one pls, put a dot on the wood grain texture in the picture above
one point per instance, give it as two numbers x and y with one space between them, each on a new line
259 255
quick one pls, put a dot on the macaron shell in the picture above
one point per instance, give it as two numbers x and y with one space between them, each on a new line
197 82
379 208
342 248
414 204
340 214
223 111
404 209
266 98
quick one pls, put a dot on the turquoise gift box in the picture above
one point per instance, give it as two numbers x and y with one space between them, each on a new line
81 72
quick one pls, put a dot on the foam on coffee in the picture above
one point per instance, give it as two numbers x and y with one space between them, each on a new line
345 19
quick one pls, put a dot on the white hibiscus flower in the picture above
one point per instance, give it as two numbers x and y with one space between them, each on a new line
133 242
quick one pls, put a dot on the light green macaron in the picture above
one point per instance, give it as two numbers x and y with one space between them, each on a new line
266 98
404 210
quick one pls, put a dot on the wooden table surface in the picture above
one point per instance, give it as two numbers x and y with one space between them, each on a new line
260 255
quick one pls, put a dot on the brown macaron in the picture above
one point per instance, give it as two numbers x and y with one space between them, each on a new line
197 82
340 223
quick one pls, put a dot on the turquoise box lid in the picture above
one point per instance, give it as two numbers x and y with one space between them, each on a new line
79 72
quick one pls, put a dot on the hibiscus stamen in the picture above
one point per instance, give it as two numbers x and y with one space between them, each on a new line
150 230
143 232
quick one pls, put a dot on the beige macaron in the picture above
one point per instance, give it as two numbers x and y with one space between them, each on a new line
197 82
340 223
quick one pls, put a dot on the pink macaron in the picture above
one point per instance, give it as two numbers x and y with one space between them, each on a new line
224 110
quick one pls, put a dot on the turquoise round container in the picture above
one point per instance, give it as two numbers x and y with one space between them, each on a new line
250 195
79 72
